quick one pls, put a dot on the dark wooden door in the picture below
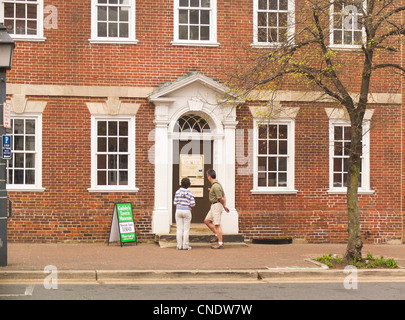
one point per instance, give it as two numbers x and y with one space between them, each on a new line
200 183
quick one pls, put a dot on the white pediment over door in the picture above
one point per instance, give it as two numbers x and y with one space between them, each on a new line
199 95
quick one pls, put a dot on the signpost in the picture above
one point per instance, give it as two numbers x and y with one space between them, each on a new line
6 147
7 115
122 224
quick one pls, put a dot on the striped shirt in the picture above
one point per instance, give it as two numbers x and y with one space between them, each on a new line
184 199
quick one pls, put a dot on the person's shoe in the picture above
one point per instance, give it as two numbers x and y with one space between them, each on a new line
187 248
218 246
214 239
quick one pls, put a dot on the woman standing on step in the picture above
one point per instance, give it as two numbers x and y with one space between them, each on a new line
184 201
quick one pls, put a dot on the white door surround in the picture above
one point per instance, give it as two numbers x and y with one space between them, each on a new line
197 94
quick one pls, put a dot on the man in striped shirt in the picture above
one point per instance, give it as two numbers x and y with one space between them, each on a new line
184 201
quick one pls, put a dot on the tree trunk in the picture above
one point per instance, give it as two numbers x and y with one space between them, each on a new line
355 244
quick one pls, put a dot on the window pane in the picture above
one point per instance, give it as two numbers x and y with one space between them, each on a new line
272 147
101 161
262 164
338 149
205 3
19 177
112 144
273 4
123 162
113 13
102 29
183 16
194 33
272 180
30 126
282 133
29 177
183 32
123 131
205 33
205 17
261 179
124 30
262 19
283 4
194 16
112 128
102 145
282 164
123 145
124 14
337 165
262 131
19 143
112 177
113 30
262 4
30 143
102 14
123 178
102 178
282 179
112 162
18 126
282 147
31 11
9 10
20 11
262 35
262 147
273 132
19 160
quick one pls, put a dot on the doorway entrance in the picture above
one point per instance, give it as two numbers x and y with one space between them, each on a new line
192 158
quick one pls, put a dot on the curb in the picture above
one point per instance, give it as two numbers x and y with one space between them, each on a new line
277 274
40 276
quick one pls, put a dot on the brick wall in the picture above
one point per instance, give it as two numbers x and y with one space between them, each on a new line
313 214
66 211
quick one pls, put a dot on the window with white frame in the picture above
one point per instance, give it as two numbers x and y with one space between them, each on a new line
113 21
346 24
24 170
113 154
23 18
340 140
273 21
274 156
195 22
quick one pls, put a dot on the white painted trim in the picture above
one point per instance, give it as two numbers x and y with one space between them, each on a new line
290 188
365 183
213 28
108 40
290 25
131 157
37 187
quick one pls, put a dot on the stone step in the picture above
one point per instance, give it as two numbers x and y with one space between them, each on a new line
199 239
195 228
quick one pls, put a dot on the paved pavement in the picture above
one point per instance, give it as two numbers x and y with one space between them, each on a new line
148 262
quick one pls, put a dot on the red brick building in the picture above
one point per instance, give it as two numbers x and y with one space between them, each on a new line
107 95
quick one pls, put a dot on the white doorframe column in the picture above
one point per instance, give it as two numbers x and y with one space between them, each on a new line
161 213
226 176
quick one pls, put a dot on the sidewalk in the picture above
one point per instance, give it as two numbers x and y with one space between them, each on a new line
100 262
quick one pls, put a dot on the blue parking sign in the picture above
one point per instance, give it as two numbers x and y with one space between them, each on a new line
6 147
